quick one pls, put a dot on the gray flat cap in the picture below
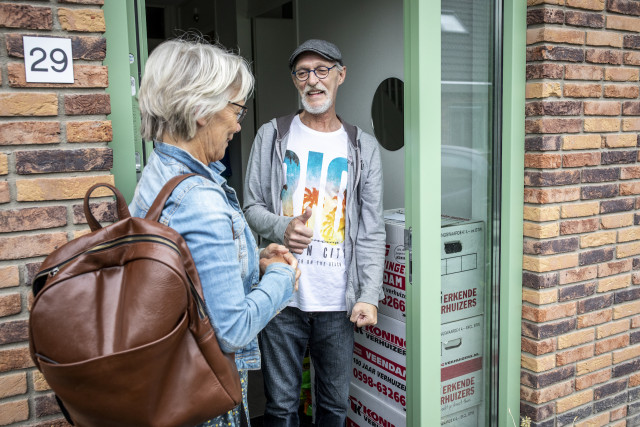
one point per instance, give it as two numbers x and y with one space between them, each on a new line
321 47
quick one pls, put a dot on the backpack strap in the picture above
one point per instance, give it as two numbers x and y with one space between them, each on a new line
161 199
121 205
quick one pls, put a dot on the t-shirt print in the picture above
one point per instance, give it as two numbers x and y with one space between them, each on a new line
316 170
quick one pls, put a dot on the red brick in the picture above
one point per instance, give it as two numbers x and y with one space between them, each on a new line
618 414
98 2
624 6
546 394
65 188
14 411
631 108
10 304
625 23
89 131
25 16
28 104
551 195
88 20
85 76
555 53
579 226
576 160
602 108
630 172
544 71
574 355
28 246
576 90
622 74
613 343
82 47
594 318
614 267
15 358
604 38
9 276
538 347
631 58
584 19
87 104
549 312
543 161
22 133
621 91
592 379
582 72
578 275
553 125
13 384
5 193
32 218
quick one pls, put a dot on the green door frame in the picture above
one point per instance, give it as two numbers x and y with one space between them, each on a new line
513 102
422 178
121 35
422 205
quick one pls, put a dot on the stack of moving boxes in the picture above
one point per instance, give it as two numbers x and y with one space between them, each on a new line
378 391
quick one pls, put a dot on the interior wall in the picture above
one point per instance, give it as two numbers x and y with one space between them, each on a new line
370 35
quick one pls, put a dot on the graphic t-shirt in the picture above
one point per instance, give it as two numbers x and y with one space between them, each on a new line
315 166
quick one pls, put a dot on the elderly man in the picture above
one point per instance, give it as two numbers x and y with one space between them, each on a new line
314 184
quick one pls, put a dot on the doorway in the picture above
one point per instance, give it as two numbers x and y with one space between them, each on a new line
374 47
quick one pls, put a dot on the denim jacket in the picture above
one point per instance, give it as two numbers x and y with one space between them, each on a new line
206 212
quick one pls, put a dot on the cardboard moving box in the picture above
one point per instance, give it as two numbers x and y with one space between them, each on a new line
379 361
367 410
461 364
461 268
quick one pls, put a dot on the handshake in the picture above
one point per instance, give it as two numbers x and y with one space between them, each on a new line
278 253
297 237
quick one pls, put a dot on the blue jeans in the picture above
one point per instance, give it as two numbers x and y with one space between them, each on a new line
283 343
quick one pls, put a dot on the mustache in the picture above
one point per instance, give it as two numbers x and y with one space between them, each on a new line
318 86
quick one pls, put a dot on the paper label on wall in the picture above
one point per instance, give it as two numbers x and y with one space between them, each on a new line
48 60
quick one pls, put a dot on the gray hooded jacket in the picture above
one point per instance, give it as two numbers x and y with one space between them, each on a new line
364 225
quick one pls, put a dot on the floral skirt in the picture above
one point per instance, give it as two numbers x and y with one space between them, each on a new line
233 417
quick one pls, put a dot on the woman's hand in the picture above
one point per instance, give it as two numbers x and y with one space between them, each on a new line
278 253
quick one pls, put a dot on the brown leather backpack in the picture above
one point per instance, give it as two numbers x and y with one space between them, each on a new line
119 328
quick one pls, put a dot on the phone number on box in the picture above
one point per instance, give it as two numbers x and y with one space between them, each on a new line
373 383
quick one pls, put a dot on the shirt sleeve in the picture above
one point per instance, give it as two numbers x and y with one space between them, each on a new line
371 238
257 192
204 218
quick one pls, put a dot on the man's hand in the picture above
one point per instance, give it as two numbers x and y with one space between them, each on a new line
278 253
297 236
364 314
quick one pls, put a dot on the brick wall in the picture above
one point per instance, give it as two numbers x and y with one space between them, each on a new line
53 146
581 293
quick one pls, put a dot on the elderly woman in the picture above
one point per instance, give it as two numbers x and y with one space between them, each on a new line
192 102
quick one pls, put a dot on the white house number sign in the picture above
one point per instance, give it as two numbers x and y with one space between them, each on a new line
47 60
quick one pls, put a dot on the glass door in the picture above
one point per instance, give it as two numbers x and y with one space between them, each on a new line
460 140
470 202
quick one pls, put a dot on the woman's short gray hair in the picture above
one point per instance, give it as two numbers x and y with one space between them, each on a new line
185 80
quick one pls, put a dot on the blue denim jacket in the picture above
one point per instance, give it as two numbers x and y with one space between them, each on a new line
206 212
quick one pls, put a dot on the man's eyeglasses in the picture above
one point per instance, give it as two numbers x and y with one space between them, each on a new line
320 72
242 113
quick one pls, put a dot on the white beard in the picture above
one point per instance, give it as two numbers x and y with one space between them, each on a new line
320 109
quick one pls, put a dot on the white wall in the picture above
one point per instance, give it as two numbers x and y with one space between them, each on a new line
370 35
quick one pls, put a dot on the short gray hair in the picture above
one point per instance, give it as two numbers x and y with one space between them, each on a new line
185 80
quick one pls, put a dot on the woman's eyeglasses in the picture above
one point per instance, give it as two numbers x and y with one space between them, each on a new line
242 113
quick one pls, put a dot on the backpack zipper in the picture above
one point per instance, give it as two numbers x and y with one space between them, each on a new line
52 271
